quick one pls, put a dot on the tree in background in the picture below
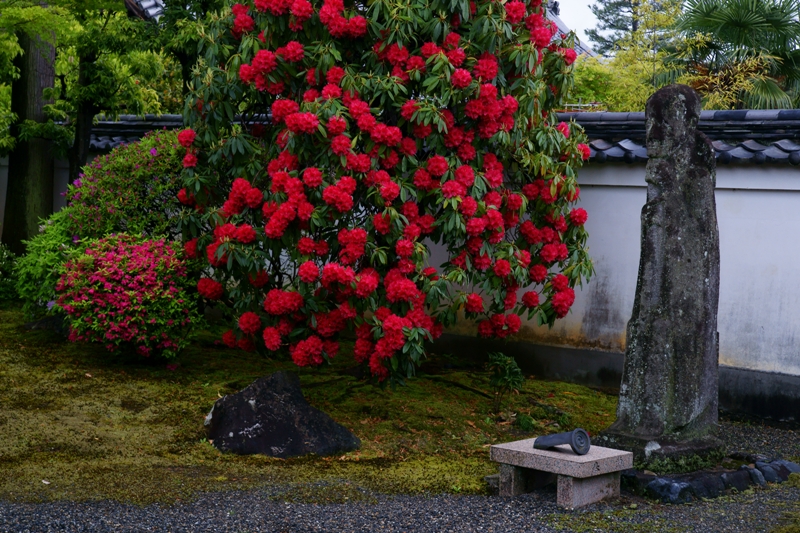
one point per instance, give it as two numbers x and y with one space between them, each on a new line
638 67
620 17
741 53
27 34
103 63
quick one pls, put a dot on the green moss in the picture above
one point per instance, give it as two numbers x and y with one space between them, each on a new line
620 520
96 426
680 465
788 523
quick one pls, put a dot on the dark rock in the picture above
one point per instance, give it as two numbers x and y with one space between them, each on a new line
493 483
635 481
739 480
770 475
670 385
707 485
793 468
782 472
757 477
669 491
272 417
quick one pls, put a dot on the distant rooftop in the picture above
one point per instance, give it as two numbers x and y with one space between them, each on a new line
742 136
146 9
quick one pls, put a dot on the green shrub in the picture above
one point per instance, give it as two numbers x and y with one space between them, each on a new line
131 190
8 290
39 269
506 377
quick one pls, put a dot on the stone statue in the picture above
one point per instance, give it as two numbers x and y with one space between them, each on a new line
668 396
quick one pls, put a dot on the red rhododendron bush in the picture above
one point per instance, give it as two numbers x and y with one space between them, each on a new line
330 145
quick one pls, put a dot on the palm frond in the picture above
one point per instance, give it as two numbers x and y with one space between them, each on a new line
765 93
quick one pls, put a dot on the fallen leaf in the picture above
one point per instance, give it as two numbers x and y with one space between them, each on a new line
88 375
471 423
45 482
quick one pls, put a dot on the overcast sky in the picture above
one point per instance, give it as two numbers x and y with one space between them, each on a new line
577 15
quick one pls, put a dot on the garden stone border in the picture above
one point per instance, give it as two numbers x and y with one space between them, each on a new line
705 484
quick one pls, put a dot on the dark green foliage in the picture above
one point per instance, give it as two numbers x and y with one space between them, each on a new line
764 34
8 290
506 377
525 422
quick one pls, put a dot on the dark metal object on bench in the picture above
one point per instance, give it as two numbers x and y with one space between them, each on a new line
578 440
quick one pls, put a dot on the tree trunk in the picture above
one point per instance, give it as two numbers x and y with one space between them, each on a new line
29 195
86 110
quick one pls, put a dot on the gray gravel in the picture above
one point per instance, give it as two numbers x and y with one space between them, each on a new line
265 511
256 511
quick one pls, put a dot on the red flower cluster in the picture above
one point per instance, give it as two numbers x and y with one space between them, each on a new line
339 27
208 288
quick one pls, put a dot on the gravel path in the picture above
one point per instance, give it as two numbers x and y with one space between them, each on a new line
256 511
264 511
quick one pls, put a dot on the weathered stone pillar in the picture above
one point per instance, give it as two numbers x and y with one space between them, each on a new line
668 397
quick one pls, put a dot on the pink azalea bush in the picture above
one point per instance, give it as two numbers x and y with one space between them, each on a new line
330 146
129 291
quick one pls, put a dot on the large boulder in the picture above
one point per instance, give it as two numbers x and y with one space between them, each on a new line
272 417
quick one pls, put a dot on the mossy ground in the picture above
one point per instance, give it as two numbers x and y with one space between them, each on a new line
94 425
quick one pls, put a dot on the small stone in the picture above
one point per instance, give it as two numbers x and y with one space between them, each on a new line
782 471
736 480
707 485
793 468
757 477
669 491
769 473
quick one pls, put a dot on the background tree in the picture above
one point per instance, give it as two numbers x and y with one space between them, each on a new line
27 34
638 67
741 53
104 62
620 17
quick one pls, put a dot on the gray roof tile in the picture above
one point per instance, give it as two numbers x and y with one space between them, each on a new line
740 136
753 146
787 146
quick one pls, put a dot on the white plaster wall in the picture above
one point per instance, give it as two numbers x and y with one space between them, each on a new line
758 209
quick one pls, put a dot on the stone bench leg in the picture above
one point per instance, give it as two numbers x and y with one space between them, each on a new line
515 480
578 492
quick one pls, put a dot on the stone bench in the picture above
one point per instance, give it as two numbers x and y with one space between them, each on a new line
582 479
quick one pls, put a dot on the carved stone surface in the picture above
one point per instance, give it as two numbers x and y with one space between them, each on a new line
669 384
272 417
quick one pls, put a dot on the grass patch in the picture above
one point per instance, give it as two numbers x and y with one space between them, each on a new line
93 425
